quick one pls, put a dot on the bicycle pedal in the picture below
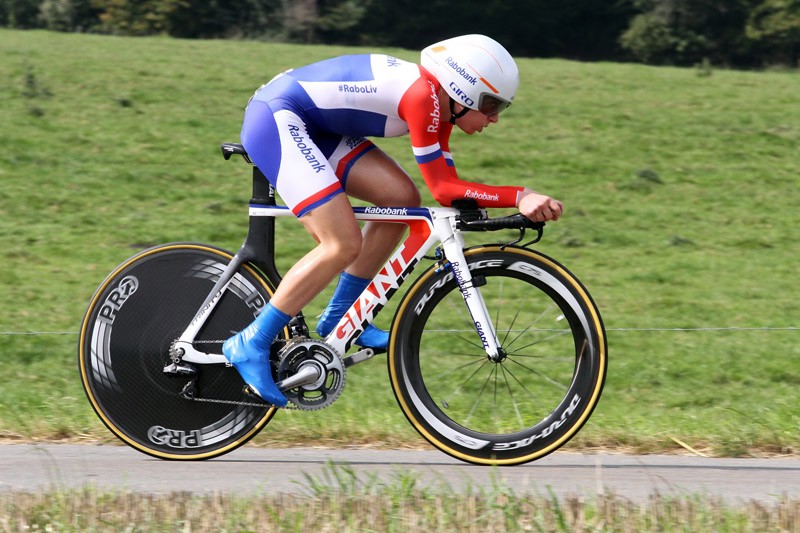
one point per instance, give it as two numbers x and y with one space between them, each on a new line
253 395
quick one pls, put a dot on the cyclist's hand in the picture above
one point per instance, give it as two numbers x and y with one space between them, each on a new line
539 207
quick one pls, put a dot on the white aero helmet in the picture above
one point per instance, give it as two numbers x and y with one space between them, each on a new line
475 70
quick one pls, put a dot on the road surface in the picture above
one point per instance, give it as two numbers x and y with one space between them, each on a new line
251 470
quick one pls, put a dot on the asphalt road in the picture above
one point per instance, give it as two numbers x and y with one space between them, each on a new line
250 470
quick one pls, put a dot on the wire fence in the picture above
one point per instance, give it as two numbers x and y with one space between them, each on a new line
621 330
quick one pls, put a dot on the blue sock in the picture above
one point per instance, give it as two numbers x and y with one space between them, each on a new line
249 350
347 290
263 330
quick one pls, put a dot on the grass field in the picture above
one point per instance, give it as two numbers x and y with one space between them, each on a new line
681 193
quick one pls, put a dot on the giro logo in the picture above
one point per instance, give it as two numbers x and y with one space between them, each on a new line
469 102
117 297
175 438
461 71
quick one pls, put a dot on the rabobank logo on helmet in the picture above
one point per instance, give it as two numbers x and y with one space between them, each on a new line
461 71
385 211
469 102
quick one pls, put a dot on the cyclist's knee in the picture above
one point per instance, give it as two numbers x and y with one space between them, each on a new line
348 251
341 249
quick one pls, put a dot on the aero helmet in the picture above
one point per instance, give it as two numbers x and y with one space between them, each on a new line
475 70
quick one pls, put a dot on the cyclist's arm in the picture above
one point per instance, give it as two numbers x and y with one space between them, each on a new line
430 143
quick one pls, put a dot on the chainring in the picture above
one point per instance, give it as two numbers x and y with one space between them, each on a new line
302 351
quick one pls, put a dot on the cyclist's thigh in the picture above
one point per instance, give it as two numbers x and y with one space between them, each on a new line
278 142
343 152
375 177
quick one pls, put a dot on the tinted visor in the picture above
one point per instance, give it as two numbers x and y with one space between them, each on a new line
491 105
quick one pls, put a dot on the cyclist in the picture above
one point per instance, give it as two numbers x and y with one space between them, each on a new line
306 129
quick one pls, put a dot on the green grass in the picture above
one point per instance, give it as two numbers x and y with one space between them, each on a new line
681 196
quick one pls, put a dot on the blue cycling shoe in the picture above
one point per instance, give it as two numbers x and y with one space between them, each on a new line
348 289
373 338
248 352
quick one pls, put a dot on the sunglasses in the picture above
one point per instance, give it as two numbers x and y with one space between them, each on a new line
491 105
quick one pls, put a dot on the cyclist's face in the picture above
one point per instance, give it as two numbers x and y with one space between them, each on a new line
474 121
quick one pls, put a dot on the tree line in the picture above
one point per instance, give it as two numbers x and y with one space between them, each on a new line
735 33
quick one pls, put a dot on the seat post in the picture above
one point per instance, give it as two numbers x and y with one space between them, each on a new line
260 240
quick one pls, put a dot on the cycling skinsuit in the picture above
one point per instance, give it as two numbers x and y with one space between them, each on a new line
305 129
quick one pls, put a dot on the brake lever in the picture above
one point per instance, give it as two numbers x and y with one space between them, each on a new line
539 233
512 243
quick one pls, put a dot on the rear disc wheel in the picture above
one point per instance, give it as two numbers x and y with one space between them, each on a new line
132 321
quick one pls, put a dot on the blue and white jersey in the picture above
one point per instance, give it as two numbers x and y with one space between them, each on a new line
355 95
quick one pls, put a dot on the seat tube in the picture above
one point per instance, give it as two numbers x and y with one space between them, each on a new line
454 252
259 246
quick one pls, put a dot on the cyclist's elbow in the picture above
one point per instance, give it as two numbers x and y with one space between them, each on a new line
441 198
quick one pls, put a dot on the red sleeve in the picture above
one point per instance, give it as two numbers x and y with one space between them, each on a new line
430 141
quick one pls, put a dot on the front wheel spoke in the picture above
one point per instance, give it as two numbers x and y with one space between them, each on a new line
560 333
470 342
533 323
446 373
537 373
510 326
463 338
457 391
511 396
499 301
521 384
544 358
480 394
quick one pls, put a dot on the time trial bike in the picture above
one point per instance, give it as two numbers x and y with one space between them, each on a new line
497 353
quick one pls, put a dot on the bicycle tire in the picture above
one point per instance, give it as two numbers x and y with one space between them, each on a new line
131 321
531 402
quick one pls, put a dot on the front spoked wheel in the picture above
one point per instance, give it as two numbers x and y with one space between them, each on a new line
132 321
541 391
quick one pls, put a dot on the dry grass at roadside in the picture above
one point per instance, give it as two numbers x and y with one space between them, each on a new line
388 509
340 501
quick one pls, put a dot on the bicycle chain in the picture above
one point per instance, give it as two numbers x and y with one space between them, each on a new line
288 407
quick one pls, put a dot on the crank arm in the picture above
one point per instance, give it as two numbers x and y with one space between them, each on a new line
307 375
359 357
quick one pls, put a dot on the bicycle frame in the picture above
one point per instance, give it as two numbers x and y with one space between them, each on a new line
427 227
